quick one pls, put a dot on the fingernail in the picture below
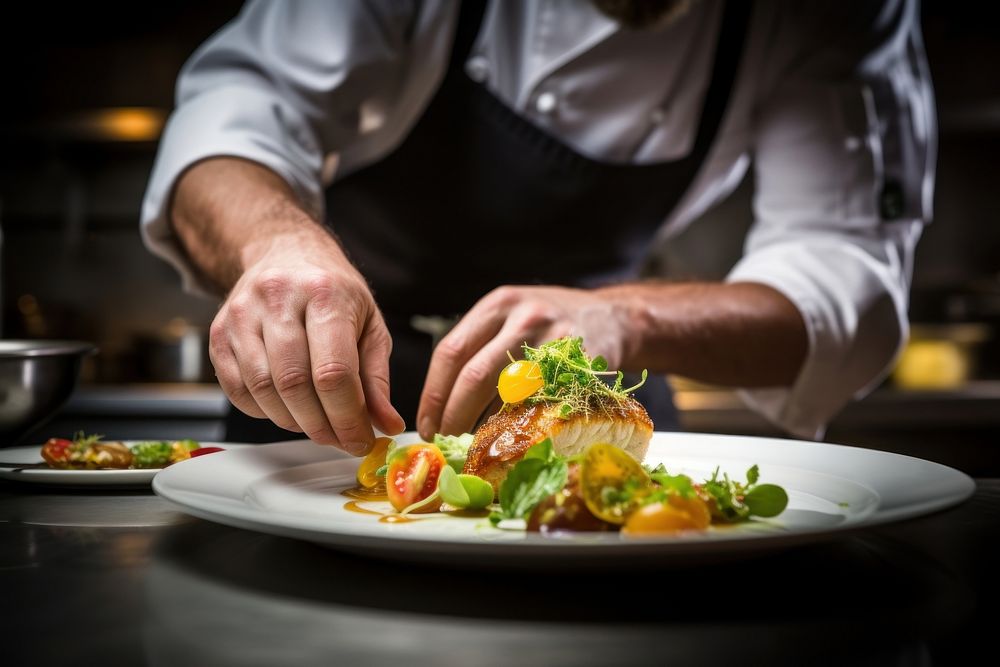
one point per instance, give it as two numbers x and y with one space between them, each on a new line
356 448
426 427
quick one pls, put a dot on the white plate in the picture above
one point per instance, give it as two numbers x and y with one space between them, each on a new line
30 455
294 489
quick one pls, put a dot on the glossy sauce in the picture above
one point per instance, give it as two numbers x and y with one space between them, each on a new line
397 518
352 506
373 494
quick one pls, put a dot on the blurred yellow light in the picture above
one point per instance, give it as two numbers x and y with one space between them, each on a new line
128 123
932 364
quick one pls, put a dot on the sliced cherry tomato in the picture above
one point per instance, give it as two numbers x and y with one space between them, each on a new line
519 380
56 451
612 482
369 466
205 450
667 518
413 476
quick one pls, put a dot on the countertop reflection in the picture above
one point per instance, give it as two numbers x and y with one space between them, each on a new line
163 589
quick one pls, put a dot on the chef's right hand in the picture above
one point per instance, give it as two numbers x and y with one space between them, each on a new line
299 340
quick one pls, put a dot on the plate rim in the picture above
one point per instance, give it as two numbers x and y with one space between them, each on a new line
241 515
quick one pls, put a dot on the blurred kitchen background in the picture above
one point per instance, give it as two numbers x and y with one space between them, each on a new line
87 87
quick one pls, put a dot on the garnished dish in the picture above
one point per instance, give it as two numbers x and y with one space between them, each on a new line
90 452
563 454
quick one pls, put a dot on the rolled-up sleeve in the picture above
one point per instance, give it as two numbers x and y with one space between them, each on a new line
844 156
285 85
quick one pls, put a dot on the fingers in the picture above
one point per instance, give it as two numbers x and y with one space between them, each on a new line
476 384
333 347
474 331
227 371
288 356
373 351
255 374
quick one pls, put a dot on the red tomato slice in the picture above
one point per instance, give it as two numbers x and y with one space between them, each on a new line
205 450
56 451
413 476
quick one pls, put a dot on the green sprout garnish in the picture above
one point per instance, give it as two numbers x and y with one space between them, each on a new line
573 380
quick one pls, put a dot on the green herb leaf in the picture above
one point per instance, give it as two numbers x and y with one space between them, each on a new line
151 454
541 450
674 484
529 483
464 491
766 500
539 474
753 474
452 490
599 364
83 442
455 448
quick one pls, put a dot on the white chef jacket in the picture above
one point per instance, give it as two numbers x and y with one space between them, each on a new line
832 106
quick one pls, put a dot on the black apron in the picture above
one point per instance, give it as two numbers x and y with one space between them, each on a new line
476 197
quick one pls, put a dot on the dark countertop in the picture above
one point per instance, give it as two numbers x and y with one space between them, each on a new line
121 578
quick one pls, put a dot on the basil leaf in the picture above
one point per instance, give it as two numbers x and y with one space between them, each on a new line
540 450
766 500
529 483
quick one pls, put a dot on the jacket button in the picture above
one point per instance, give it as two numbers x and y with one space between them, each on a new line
546 103
478 68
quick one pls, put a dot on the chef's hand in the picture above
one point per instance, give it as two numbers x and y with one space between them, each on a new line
462 378
299 340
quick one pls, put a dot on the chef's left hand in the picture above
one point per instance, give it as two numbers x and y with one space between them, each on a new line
462 378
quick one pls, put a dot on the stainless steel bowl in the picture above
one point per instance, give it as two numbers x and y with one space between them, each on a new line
36 378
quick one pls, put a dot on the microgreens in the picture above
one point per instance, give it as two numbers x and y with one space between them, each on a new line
574 380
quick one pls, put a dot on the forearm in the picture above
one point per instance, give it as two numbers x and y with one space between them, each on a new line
229 212
739 334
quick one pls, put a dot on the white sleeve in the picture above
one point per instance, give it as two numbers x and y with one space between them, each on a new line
844 159
283 85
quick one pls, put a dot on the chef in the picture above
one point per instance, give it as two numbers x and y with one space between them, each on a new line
350 175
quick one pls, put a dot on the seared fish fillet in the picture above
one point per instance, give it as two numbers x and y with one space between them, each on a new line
502 440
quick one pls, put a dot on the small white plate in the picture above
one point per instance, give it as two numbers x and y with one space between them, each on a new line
294 489
30 455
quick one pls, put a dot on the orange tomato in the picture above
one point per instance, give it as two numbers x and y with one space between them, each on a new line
519 380
667 518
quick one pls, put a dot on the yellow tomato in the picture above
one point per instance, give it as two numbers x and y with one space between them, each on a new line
375 460
612 482
665 518
697 508
519 380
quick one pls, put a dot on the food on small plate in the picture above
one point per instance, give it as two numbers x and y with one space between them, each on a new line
564 454
85 453
89 452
